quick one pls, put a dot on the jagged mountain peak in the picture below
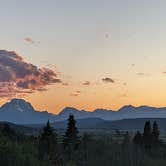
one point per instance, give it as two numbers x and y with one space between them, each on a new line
19 105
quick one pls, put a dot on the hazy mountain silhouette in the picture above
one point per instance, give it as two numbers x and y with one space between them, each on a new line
126 112
92 124
21 112
124 124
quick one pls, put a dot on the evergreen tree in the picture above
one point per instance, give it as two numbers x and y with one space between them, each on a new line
138 148
137 140
155 133
118 134
147 135
9 132
71 136
71 139
126 139
48 148
86 142
6 130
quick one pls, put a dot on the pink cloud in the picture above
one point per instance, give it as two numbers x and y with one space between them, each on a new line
29 40
18 76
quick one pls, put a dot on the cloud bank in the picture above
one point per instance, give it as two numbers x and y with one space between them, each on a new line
20 77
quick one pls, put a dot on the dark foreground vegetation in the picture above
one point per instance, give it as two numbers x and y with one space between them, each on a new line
71 149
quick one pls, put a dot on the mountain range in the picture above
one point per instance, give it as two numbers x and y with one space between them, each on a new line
21 112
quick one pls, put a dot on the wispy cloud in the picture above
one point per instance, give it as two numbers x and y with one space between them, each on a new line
108 80
18 76
29 40
123 95
124 84
141 74
75 94
65 84
86 83
133 65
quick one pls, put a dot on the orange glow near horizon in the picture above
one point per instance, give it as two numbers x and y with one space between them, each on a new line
66 57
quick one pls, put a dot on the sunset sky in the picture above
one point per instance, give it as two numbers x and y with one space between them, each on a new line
85 54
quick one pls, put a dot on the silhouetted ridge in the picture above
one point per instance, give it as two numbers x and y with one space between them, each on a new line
19 111
127 108
19 105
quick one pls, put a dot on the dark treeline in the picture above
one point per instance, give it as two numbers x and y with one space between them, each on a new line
71 149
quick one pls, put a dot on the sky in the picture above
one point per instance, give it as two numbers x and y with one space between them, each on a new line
84 54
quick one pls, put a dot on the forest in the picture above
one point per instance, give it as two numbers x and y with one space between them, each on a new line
75 149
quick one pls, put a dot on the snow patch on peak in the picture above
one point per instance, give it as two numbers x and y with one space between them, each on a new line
18 105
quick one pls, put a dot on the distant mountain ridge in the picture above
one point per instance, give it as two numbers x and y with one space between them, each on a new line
21 112
124 124
92 125
126 112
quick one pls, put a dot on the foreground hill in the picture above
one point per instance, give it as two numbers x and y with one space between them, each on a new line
134 124
124 124
91 125
21 129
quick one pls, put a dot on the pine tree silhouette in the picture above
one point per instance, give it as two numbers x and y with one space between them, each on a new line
48 148
126 139
147 135
71 137
137 140
155 133
7 130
